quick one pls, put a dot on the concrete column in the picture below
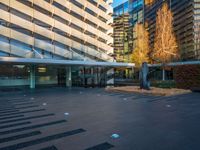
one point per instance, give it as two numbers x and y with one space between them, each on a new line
92 77
132 72
110 76
68 76
32 76
96 76
84 77
163 74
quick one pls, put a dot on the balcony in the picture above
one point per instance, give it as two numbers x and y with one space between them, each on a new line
110 32
110 42
109 2
109 11
110 21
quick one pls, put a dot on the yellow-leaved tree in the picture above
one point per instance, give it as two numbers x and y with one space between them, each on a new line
165 45
149 2
140 55
141 49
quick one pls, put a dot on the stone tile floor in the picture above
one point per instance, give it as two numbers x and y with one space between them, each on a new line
85 119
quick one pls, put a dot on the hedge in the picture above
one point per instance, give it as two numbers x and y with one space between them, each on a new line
187 76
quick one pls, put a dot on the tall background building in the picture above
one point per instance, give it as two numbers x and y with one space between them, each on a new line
186 24
57 30
121 33
136 11
126 16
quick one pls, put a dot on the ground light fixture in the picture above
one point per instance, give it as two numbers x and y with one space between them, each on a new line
115 136
44 104
66 114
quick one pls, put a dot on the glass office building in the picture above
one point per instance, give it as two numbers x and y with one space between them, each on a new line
55 42
126 16
136 12
121 33
186 23
122 47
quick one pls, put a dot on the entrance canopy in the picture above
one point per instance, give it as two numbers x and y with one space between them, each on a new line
63 62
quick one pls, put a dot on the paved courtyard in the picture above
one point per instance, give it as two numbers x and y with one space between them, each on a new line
86 119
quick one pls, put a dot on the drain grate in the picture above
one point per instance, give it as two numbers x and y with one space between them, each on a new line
19 104
21 136
26 118
103 146
42 140
31 127
8 111
22 112
49 148
25 107
14 125
16 116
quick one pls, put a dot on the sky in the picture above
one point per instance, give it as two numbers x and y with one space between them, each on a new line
117 2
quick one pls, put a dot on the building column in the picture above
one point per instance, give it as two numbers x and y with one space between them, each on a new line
163 74
84 77
110 77
68 76
96 76
92 77
32 76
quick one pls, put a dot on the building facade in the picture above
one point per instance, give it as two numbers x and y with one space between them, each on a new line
121 33
186 24
136 11
55 30
126 16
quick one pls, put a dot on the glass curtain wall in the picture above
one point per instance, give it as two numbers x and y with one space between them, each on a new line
89 76
122 39
19 75
14 75
136 12
121 33
53 76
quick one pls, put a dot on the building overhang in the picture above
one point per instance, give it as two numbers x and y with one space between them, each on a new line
172 64
17 60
